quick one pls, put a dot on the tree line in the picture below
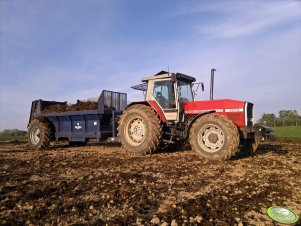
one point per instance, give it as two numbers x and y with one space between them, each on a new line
284 118
13 132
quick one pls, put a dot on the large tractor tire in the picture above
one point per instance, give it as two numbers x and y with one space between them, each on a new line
214 137
140 129
39 134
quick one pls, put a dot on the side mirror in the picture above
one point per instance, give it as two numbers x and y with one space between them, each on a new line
197 86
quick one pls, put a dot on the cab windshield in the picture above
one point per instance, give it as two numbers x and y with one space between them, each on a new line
185 93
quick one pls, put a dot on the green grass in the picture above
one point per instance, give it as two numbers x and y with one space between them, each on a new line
12 137
288 131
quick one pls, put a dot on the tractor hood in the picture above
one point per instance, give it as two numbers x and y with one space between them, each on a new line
240 112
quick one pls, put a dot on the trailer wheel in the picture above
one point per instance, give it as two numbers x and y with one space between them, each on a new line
214 136
140 129
39 134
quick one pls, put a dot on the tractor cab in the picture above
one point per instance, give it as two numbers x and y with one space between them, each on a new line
169 91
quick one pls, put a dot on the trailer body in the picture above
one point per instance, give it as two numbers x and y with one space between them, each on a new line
83 125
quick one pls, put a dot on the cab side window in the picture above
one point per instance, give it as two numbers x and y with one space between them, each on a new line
164 94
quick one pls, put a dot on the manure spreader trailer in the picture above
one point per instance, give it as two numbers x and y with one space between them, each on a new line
50 121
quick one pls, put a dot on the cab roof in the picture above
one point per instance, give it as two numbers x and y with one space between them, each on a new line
165 74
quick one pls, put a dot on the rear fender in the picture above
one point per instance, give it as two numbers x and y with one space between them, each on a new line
193 120
153 104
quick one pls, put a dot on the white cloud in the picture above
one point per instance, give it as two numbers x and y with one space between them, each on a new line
230 19
255 19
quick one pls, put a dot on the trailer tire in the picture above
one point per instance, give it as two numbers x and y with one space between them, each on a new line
140 129
39 134
214 136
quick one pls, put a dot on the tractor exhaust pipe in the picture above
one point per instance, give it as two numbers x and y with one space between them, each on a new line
212 83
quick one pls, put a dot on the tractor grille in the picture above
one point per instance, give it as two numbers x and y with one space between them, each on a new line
249 114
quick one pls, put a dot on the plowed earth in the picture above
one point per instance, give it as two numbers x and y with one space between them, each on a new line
101 184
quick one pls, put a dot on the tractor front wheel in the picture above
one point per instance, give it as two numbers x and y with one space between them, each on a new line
39 134
140 129
214 136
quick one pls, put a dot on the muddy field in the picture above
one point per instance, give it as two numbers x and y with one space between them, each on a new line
102 184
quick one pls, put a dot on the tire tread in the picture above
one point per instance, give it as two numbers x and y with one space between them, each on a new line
231 131
152 117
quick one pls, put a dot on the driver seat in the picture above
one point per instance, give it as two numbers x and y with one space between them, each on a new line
161 100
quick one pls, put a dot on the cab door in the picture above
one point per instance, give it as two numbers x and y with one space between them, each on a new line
184 94
164 94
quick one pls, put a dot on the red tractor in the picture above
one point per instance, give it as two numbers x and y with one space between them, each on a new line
216 129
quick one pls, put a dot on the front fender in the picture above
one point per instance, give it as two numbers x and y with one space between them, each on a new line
188 127
153 104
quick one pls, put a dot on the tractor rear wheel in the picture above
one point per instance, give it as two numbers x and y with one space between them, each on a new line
39 134
214 136
140 129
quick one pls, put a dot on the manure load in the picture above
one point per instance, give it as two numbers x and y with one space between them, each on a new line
79 106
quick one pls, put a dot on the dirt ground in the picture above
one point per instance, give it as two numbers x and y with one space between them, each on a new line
101 184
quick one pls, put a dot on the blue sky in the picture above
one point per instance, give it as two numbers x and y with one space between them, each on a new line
73 49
